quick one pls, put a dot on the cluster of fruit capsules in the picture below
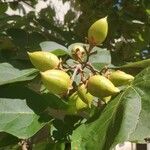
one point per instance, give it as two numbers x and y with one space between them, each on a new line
105 87
55 80
59 82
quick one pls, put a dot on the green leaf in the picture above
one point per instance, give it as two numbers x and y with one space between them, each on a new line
99 66
18 119
49 146
7 139
12 147
19 36
3 7
9 74
102 56
60 52
6 44
13 5
35 39
142 87
50 46
55 102
148 11
68 124
138 64
125 118
54 47
40 103
21 111
114 125
69 16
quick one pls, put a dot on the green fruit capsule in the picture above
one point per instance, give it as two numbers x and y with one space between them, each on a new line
100 86
98 31
43 60
106 99
56 81
119 78
75 104
84 95
77 52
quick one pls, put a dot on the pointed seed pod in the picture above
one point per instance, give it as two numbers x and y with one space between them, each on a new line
43 60
77 52
85 95
98 31
56 81
106 99
75 104
119 78
100 86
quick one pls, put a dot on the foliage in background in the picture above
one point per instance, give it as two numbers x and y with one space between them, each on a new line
129 21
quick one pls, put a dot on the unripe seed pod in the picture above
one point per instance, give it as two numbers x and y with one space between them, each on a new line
80 104
119 78
85 95
75 104
43 60
98 31
100 86
106 99
56 81
77 52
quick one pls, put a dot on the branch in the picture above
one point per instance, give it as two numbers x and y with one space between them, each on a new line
78 67
94 71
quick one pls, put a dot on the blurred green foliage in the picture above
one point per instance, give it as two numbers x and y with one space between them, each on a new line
129 27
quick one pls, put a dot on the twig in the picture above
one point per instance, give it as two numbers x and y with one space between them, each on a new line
26 3
83 80
89 66
104 70
88 52
78 67
93 53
